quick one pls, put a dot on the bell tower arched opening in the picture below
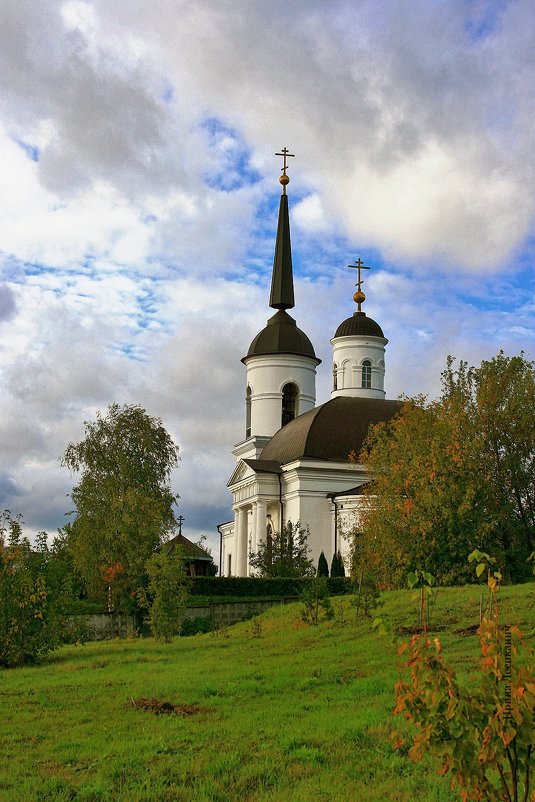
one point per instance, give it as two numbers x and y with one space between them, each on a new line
289 403
248 394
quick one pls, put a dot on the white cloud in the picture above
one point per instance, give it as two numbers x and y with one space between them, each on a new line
310 215
135 229
7 302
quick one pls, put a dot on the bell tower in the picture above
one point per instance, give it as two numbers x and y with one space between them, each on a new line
359 351
280 363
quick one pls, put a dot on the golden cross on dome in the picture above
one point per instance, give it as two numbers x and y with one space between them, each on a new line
359 296
284 179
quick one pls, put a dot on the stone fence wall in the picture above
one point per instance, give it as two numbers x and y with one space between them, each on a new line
106 626
227 613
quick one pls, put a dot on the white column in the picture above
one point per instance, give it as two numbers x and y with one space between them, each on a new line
252 539
260 521
241 541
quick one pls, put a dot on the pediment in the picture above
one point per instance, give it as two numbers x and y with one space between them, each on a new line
240 472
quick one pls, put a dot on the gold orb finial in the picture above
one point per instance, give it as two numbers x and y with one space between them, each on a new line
284 179
359 297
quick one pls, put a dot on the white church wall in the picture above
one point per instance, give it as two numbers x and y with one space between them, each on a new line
348 355
305 501
266 376
228 549
306 488
314 510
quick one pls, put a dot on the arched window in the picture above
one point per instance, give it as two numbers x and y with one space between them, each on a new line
367 374
248 412
335 376
289 403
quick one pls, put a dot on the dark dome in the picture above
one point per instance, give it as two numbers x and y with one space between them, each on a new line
281 336
359 323
330 431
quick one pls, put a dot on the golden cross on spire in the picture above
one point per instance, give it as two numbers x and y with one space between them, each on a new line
285 153
284 179
359 296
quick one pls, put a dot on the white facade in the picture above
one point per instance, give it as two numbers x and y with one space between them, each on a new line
299 492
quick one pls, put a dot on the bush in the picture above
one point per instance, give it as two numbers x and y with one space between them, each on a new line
253 587
284 554
80 607
165 597
33 596
316 601
194 626
323 566
76 629
337 565
484 737
368 594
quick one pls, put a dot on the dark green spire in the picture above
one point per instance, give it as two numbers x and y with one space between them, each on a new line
282 284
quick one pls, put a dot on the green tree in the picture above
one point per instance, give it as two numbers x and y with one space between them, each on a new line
124 505
454 475
337 565
422 508
284 554
368 595
166 595
35 592
316 601
496 403
323 566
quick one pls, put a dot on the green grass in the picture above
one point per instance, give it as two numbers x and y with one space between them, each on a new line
300 713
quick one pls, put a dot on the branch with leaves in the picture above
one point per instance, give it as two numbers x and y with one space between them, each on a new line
484 739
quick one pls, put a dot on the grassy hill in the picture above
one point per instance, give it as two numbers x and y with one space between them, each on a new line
269 710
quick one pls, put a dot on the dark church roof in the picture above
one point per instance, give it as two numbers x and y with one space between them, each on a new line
281 336
359 323
282 283
329 432
190 550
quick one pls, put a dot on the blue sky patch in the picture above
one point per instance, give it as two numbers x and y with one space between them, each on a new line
32 151
483 16
231 154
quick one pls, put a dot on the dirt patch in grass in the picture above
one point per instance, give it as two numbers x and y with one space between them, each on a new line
471 630
417 630
159 707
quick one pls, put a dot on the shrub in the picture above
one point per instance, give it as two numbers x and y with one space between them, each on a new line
368 594
323 566
253 587
483 738
337 565
194 626
33 596
165 597
284 553
316 601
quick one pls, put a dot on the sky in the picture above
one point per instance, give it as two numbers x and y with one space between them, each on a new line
138 207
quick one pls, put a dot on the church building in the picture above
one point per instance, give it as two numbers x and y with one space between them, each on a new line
292 465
